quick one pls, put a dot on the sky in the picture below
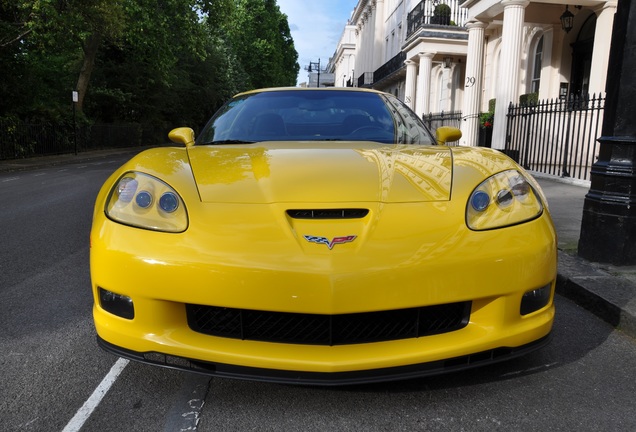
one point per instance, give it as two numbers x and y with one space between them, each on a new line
316 27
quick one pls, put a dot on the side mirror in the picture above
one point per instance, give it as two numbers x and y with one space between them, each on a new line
182 135
446 134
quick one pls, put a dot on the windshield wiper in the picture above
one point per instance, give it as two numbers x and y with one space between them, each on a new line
230 141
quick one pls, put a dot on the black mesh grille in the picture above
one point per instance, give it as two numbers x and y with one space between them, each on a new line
328 213
315 329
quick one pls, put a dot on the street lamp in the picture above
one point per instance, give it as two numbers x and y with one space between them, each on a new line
317 67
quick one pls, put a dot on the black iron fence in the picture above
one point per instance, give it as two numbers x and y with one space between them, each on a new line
433 121
21 140
557 137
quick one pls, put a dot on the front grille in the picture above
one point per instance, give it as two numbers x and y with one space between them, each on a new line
313 329
328 213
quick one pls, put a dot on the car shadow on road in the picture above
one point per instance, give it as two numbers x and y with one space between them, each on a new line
575 333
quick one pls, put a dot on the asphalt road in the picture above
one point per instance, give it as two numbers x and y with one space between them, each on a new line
53 377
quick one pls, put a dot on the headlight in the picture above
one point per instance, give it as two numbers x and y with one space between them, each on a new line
502 200
144 201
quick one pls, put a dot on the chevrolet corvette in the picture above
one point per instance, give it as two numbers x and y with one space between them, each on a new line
321 236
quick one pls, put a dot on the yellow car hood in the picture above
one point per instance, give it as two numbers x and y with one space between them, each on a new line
321 172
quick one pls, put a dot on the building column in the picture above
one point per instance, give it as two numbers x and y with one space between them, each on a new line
600 53
409 93
473 85
378 36
422 93
509 65
370 37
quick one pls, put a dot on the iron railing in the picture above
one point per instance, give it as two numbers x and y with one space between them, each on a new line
22 140
556 137
390 67
365 79
435 12
433 121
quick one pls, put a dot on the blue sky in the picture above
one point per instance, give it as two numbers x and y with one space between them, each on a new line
316 27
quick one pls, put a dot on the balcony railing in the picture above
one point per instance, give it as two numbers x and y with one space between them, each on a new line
365 80
446 13
393 65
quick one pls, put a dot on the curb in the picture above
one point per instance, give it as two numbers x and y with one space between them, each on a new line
610 297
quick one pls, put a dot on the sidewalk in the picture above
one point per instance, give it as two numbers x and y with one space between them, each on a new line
607 291
47 161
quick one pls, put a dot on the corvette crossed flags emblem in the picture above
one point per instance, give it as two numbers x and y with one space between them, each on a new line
330 243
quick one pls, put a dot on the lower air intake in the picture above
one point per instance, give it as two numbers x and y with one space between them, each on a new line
313 329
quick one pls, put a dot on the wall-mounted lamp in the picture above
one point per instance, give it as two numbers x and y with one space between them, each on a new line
448 61
567 20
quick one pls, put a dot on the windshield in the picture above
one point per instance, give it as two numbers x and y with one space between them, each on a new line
314 115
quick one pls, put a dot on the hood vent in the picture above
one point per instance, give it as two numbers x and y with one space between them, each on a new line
328 213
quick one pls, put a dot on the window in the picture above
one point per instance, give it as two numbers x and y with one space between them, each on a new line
536 70
582 58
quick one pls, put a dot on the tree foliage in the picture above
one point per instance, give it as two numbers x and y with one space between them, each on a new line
264 46
159 63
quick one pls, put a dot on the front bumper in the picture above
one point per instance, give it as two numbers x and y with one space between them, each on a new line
328 378
400 261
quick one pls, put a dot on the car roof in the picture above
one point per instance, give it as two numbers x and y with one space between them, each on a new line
297 89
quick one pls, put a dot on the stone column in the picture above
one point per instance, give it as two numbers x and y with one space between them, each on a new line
600 54
378 46
473 84
422 94
508 74
409 93
608 228
370 37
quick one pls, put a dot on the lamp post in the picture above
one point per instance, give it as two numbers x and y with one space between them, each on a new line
317 67
608 228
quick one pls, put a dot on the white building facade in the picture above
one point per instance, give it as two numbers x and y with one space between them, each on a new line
472 55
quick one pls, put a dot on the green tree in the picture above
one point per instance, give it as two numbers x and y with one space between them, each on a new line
261 37
161 64
56 38
172 68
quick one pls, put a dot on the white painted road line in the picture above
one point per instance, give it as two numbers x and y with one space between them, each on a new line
93 401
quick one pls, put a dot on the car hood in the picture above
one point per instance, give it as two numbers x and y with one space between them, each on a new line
321 172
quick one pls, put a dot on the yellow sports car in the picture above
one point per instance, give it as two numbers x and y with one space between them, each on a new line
321 236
